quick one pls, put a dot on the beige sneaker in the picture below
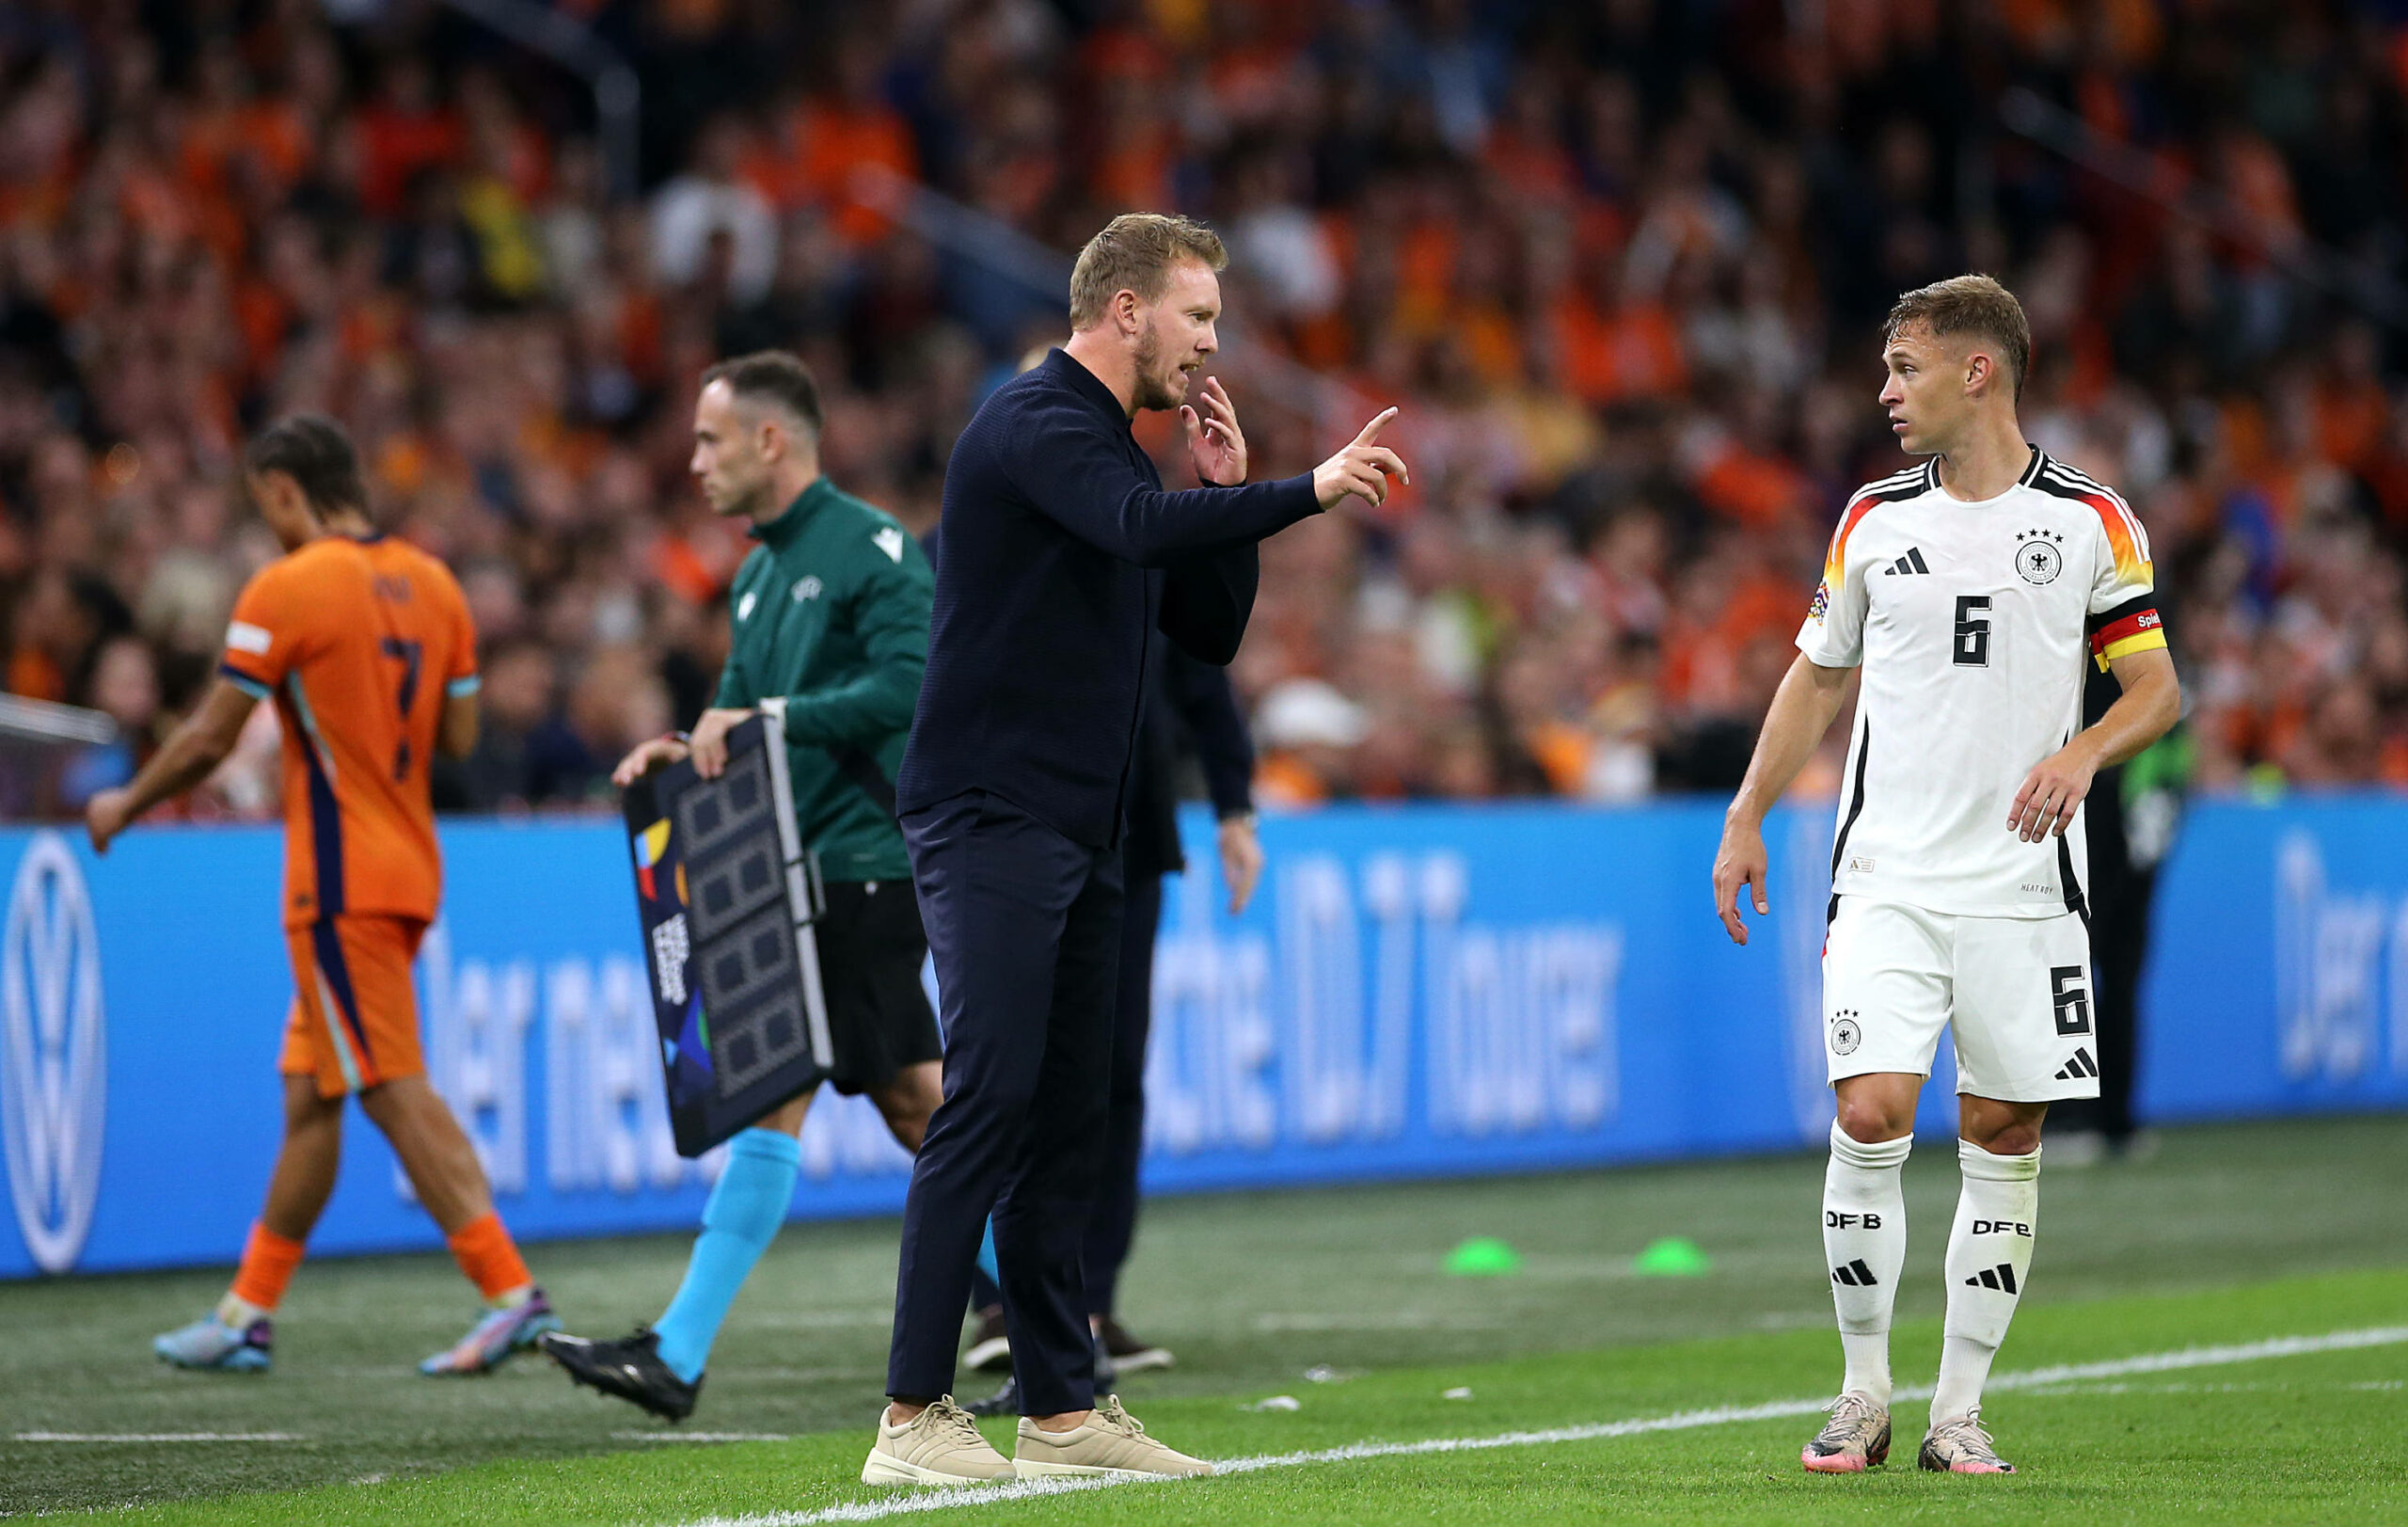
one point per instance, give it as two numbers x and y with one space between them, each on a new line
1111 1442
939 1446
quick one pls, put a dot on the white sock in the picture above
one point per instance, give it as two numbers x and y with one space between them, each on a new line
237 1312
1989 1254
1865 1240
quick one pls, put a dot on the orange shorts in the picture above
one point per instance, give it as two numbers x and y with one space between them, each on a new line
354 1012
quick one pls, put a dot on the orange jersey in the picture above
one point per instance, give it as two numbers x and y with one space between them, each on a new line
357 643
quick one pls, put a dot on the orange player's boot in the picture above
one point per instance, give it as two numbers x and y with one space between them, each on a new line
210 1343
495 1338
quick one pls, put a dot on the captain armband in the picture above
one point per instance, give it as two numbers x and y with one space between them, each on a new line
2132 626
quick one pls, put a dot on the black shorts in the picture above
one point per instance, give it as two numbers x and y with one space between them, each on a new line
871 949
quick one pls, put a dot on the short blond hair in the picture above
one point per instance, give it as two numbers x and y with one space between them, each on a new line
1135 252
1968 305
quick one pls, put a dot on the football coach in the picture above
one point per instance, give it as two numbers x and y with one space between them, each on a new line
1064 562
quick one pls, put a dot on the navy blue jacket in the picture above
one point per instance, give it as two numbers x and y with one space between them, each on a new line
1062 558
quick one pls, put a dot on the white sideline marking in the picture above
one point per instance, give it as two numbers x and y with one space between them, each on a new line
160 1436
2154 1362
1375 1320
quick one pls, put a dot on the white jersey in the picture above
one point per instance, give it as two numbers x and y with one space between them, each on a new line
1972 622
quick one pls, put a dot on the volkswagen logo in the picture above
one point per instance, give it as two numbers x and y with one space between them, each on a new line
54 1052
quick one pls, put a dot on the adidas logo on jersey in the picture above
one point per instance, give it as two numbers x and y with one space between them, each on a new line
2001 1277
1911 563
1855 1275
2080 1066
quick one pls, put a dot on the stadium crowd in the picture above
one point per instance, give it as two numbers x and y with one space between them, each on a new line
1622 264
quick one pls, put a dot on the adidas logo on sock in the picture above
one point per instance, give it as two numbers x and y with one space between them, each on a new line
2081 1065
1855 1275
2001 1277
1911 563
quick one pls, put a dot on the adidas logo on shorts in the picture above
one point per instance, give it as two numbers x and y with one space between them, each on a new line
2080 1066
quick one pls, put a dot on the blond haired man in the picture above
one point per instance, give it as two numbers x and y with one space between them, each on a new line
1060 563
1971 590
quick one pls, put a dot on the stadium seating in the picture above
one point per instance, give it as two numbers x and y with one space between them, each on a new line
1624 273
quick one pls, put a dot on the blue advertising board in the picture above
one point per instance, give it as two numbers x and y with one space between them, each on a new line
1417 992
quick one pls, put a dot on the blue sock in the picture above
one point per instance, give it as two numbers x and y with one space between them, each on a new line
986 1256
986 1292
739 1223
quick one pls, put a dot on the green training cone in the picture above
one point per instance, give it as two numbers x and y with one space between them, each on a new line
1483 1256
1674 1256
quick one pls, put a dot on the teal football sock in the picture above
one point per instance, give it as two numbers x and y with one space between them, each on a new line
986 1284
739 1223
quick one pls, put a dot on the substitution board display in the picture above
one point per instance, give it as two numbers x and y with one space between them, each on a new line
727 894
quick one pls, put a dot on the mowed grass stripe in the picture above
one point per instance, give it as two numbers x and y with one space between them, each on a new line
160 1436
2139 1257
2314 1450
2154 1362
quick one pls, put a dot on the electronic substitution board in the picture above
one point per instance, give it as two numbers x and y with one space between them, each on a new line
727 895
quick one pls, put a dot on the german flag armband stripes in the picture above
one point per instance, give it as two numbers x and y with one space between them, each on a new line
2133 626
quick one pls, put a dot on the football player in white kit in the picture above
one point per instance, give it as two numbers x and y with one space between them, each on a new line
1970 590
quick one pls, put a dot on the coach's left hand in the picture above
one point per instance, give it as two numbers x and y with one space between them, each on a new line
2053 792
104 817
1215 443
709 740
1241 859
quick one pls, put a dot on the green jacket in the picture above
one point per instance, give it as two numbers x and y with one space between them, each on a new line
831 625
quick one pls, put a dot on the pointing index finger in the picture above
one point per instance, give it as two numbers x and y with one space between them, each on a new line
1371 431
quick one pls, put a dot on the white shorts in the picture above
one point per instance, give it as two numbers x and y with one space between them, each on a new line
2015 991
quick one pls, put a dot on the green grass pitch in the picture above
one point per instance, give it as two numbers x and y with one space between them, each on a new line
2228 1239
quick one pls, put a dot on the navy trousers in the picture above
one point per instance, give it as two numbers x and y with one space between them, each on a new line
1025 925
1114 1225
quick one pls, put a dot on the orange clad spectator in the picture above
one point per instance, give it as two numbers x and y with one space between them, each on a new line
1425 272
1713 622
1123 53
232 120
1524 152
1759 489
1610 354
2252 173
2352 410
1250 70
404 130
847 130
1136 145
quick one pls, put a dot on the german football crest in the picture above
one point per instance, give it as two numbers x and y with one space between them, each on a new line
2036 558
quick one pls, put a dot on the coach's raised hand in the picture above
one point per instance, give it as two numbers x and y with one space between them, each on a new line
1362 468
1215 443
